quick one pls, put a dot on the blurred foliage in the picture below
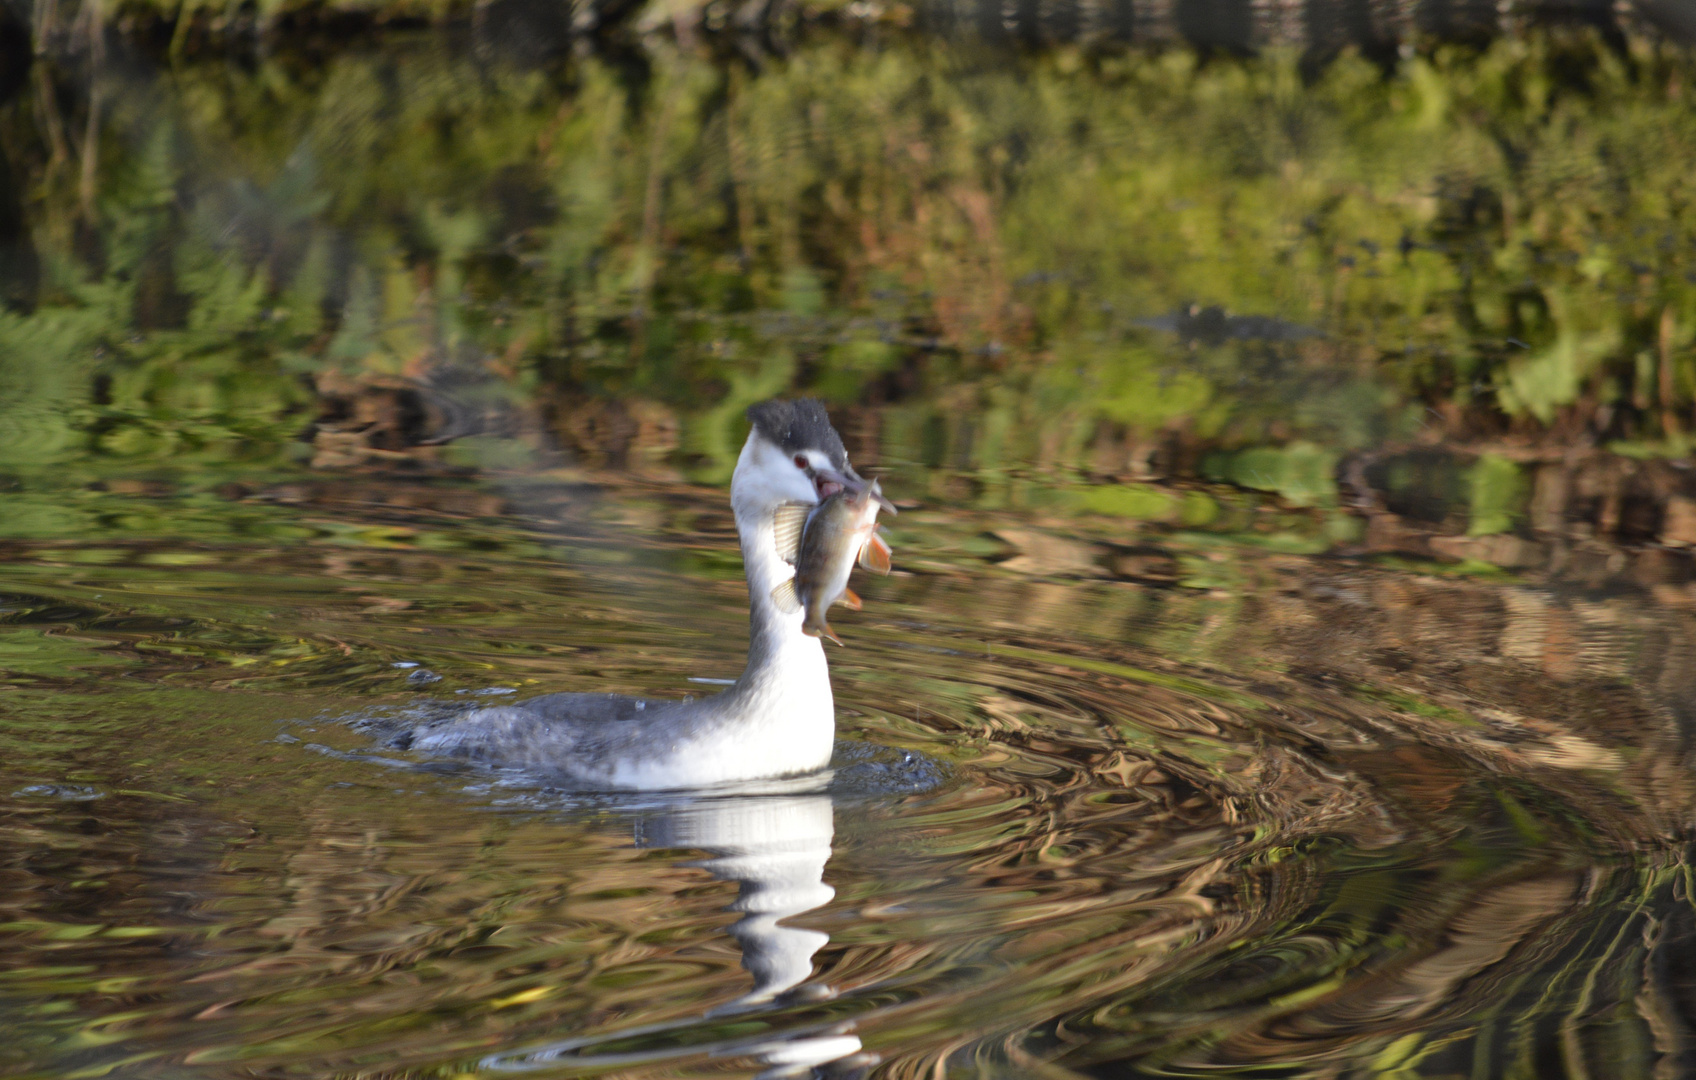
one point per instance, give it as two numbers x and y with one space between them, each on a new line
1498 495
1300 472
1001 256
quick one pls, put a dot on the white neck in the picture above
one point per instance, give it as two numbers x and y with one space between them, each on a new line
785 690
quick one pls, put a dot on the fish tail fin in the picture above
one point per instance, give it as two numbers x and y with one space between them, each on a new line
818 627
785 599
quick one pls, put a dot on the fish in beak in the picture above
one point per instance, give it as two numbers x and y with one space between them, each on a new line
824 543
829 481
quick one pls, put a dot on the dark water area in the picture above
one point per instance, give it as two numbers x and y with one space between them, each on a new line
1330 817
1289 666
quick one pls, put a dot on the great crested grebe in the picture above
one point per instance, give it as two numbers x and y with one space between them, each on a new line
777 720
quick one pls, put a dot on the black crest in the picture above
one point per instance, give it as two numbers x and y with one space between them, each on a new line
799 425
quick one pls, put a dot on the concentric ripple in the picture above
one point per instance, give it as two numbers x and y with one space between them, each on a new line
1320 823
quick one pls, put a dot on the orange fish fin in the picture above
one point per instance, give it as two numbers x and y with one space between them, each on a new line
875 555
851 600
788 523
824 628
785 599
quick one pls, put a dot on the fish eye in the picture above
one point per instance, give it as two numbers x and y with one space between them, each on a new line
800 461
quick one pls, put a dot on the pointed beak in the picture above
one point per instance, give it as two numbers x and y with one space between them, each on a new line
829 481
884 502
856 484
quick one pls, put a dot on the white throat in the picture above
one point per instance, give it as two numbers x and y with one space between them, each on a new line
786 687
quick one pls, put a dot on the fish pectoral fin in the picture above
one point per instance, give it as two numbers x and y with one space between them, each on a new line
788 523
875 555
785 598
851 600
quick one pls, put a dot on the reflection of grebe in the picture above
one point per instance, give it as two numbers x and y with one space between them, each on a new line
775 848
778 719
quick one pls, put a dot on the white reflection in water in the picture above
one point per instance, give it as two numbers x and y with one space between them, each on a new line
775 848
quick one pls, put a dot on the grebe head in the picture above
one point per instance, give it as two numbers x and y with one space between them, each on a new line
792 455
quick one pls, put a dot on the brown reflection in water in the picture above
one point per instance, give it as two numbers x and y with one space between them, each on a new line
1301 811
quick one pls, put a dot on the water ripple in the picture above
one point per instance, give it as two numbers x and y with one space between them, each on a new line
1109 846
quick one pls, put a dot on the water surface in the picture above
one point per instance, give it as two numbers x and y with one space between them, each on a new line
1289 667
1337 817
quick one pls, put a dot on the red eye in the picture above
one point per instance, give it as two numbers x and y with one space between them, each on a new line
800 461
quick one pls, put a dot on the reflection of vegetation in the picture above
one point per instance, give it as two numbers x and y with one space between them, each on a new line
966 258
1498 489
1492 244
1339 816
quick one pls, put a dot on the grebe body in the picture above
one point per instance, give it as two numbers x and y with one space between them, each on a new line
777 720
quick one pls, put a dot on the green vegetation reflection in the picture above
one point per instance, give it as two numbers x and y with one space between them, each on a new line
1061 261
